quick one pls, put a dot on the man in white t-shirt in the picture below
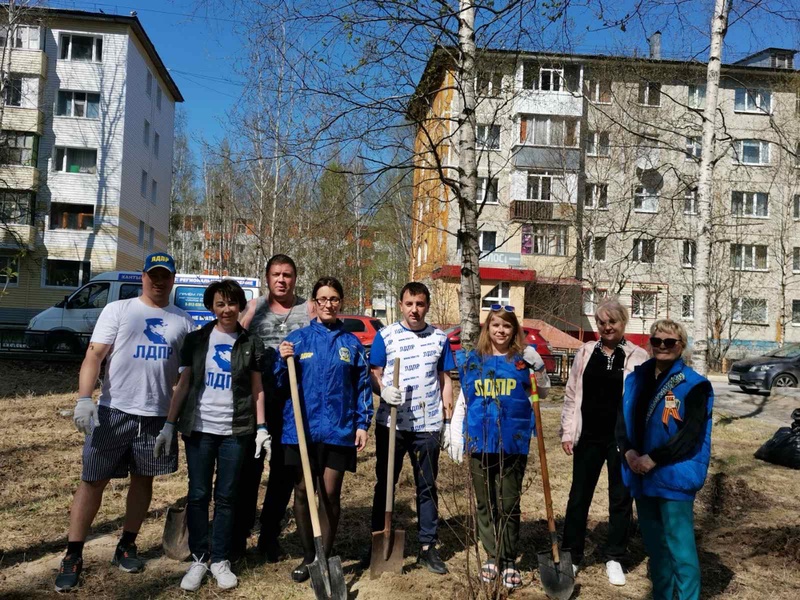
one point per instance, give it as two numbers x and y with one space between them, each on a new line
141 337
424 398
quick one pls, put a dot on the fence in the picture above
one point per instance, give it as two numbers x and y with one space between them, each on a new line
55 345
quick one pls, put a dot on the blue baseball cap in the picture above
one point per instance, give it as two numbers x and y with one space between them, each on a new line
159 259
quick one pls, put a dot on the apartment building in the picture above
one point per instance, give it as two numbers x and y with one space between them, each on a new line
85 153
588 167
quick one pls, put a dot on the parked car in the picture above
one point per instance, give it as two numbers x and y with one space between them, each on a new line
364 328
532 337
779 368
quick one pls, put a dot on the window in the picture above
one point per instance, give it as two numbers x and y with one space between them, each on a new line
752 100
67 273
596 196
650 93
487 240
499 294
540 186
796 259
749 310
18 148
643 304
156 143
544 239
690 201
598 91
16 207
487 190
688 253
796 206
595 248
591 299
13 91
748 257
795 309
151 239
130 290
83 48
25 37
83 105
94 295
547 78
149 85
697 96
781 61
9 271
76 160
489 84
548 131
750 204
146 133
644 250
158 96
645 199
694 147
488 137
687 307
597 143
141 233
143 184
154 192
71 216
797 155
752 152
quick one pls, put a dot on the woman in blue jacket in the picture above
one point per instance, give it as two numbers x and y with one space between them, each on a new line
664 433
336 397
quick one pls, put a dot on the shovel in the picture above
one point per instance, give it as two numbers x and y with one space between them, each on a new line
175 539
388 545
327 578
555 567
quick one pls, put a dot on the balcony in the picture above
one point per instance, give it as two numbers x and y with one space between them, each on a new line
28 62
19 178
534 210
30 120
548 103
545 157
17 236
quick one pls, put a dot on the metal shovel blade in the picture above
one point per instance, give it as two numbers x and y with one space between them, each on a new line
387 552
558 579
327 578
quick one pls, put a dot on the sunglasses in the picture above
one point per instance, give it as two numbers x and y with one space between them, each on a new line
666 342
498 307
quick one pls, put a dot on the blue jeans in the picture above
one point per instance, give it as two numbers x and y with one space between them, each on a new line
668 532
204 451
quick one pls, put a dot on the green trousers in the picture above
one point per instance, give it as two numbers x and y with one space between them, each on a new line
497 480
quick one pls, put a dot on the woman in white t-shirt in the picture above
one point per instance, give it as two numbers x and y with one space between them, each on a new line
216 405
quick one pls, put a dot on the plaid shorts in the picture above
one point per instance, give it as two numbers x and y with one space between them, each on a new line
123 443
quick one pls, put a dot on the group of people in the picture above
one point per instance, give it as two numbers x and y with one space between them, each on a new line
224 388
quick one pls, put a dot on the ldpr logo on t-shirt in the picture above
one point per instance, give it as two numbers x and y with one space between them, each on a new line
222 356
159 348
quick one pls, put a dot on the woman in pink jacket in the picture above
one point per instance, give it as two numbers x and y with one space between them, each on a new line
591 402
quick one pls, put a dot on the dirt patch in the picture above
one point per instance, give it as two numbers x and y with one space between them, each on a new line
729 497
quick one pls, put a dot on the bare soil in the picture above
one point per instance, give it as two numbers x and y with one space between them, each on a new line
747 518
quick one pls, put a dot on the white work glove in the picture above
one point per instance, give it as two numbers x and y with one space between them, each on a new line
163 445
392 396
85 415
532 359
454 431
263 440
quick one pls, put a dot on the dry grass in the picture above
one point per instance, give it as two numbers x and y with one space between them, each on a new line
747 518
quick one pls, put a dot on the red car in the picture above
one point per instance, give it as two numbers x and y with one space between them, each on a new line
364 328
532 337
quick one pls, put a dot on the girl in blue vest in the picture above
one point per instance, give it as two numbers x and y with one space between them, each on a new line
664 433
496 392
336 397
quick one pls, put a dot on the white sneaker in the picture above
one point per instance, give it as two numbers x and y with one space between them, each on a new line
221 571
193 579
614 572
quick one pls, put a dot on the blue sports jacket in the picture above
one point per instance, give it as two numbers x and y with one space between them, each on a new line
498 406
677 481
334 385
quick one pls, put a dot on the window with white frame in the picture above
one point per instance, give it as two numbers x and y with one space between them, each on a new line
81 105
487 240
752 152
643 304
499 294
16 207
697 96
749 310
752 100
597 144
596 196
748 257
9 271
71 216
545 239
154 192
598 91
795 312
545 78
67 273
796 259
19 148
148 88
749 204
690 201
146 134
694 147
143 183
83 48
76 160
644 250
649 93
591 299
487 190
13 91
688 253
645 199
489 84
156 143
541 130
158 96
687 307
487 137
594 248
141 233
24 37
540 186
782 61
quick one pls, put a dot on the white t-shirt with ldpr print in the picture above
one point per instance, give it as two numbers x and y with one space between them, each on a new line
214 412
143 363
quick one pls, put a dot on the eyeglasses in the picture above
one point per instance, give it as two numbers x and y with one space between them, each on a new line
498 307
666 342
331 301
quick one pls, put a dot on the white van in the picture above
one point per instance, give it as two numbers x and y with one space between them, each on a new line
78 312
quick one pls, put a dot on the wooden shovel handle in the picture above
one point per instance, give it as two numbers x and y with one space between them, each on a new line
548 500
301 441
392 445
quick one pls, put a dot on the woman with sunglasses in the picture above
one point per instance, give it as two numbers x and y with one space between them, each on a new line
495 395
591 402
336 395
664 433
